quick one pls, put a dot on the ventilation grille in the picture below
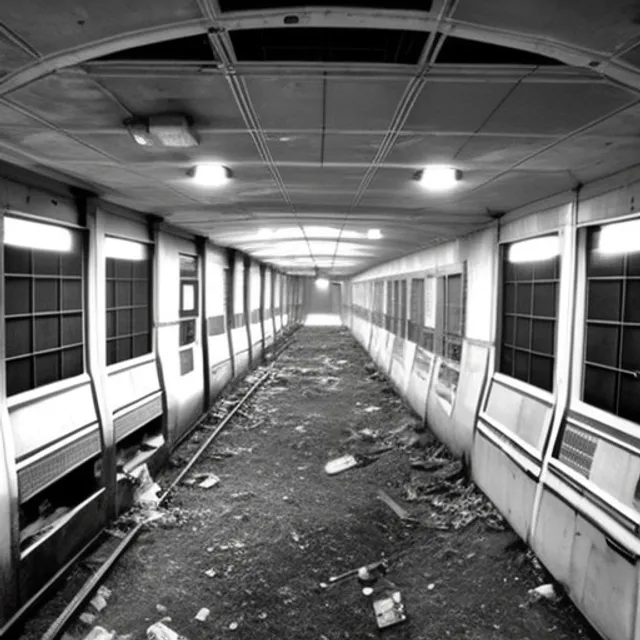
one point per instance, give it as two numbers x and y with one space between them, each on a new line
257 5
126 424
469 52
577 449
314 44
43 472
193 48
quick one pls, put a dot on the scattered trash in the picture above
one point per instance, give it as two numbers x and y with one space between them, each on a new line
262 616
87 618
100 633
98 602
211 573
203 614
431 586
210 481
340 464
116 533
389 611
295 536
105 592
365 569
367 591
160 631
161 609
145 494
544 591
301 429
401 512
233 626
371 409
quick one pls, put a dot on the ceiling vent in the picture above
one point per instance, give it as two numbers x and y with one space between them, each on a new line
467 52
315 44
258 5
190 49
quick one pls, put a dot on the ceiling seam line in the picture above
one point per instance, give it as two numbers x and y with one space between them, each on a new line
54 127
243 100
19 41
555 143
406 104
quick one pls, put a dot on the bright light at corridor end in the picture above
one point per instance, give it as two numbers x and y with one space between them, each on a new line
35 235
534 250
374 234
210 175
124 249
439 177
622 237
322 284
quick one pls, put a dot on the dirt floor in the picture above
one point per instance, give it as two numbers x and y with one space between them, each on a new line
277 525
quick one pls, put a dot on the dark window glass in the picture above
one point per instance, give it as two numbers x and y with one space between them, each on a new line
611 376
188 286
529 314
128 308
44 320
450 315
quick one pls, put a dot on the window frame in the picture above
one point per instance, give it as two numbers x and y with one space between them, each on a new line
66 382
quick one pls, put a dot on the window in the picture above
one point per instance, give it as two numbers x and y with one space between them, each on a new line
416 320
128 301
389 314
452 297
428 331
529 313
188 309
44 304
402 315
612 330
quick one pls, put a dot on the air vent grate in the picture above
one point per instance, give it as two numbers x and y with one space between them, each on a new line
190 49
461 51
257 5
313 44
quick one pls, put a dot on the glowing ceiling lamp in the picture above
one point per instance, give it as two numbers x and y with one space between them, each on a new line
322 284
210 175
266 234
374 234
124 249
439 177
35 235
534 250
621 237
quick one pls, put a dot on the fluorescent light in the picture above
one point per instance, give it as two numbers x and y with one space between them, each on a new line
124 249
374 234
266 234
35 235
210 175
139 131
439 177
322 284
534 250
172 131
621 237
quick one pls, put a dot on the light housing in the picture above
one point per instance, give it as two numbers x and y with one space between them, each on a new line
37 235
374 234
322 283
210 175
534 250
438 177
169 130
124 249
620 237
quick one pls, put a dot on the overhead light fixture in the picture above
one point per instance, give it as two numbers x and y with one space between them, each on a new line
438 177
621 237
322 284
124 249
534 250
171 130
36 235
374 234
210 175
266 234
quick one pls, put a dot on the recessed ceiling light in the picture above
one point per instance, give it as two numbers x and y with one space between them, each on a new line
374 234
534 250
35 235
322 284
210 175
622 237
439 177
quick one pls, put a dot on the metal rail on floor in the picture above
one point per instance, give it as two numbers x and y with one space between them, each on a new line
58 626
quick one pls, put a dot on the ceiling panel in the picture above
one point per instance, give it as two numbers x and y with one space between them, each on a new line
350 148
11 57
63 24
356 104
592 24
286 103
554 108
499 152
455 106
295 147
417 149
206 99
70 101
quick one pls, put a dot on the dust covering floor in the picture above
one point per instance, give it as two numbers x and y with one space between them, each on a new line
276 525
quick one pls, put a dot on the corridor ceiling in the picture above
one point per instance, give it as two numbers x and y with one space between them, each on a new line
324 112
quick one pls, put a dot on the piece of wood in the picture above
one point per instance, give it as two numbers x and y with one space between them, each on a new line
401 512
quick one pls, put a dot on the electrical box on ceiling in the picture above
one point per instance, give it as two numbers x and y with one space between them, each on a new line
169 130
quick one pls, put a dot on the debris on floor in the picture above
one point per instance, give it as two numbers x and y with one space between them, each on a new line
546 591
338 465
99 633
160 631
389 610
401 512
211 480
203 614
